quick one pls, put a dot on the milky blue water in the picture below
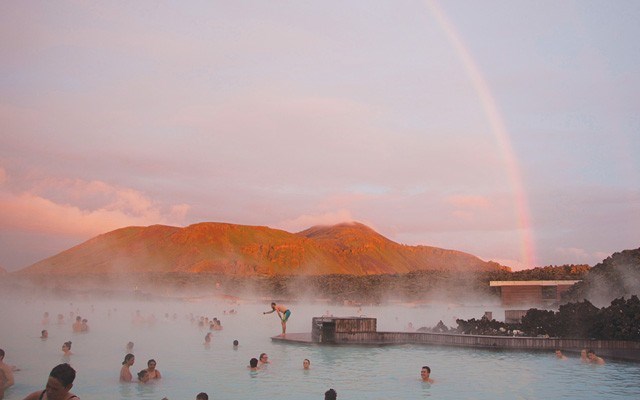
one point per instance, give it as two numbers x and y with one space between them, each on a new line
188 367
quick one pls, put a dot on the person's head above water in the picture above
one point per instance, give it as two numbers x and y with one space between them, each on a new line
129 359
202 396
425 372
60 382
330 394
151 363
253 363
306 363
273 305
143 376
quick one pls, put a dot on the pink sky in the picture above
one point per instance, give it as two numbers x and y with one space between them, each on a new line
292 115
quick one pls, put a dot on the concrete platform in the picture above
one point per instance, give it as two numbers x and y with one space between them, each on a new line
362 331
629 351
302 338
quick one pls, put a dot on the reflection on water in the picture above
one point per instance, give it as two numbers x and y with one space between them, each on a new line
189 367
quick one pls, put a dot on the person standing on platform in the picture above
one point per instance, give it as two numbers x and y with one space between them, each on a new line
283 312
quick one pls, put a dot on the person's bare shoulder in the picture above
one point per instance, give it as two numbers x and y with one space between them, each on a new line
33 396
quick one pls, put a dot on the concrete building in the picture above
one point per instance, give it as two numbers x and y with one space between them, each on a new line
531 293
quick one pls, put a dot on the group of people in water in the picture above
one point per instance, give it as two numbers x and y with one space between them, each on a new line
81 325
587 356
61 377
144 376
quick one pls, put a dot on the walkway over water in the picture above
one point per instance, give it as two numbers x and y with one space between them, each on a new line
362 331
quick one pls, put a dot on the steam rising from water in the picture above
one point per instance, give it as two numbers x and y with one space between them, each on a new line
167 334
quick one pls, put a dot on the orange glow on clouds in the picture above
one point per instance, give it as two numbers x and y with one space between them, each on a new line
35 213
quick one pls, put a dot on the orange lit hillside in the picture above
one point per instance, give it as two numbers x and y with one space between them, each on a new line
252 250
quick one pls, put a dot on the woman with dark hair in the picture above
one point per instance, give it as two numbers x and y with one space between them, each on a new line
66 350
153 372
58 386
125 372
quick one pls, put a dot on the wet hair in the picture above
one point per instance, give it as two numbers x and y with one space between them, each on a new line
68 344
253 362
427 368
142 373
330 395
151 361
235 343
306 359
63 373
1 353
202 396
262 355
590 351
127 358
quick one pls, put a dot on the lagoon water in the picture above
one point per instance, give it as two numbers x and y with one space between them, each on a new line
188 367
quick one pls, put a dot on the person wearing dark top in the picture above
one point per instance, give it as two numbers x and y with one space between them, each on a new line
58 386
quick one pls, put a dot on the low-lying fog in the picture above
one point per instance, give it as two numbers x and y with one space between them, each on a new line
172 331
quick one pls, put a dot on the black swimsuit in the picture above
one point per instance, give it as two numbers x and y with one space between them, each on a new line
44 391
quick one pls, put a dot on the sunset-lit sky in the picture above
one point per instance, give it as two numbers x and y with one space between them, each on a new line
506 129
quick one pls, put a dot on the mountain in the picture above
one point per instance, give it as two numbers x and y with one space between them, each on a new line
349 248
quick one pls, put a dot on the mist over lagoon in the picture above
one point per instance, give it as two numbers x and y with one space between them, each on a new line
170 334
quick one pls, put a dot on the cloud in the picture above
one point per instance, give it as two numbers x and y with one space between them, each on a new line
515 265
81 209
469 202
466 207
305 221
579 255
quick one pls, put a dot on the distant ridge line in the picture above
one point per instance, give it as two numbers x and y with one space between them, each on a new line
218 247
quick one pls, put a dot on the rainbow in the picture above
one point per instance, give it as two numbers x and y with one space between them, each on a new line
499 131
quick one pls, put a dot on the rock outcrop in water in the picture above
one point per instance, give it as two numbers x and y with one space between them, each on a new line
349 248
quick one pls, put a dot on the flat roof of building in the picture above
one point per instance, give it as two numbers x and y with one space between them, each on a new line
532 283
